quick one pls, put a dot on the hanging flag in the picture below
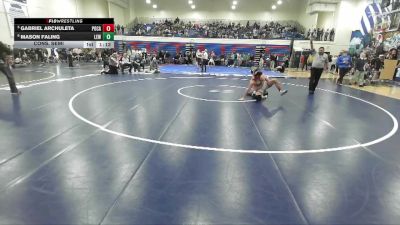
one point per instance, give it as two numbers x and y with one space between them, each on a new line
374 15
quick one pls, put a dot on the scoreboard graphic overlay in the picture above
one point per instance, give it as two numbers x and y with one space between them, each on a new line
64 32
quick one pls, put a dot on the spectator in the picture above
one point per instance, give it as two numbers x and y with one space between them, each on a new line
273 59
212 58
377 65
326 35
333 63
112 64
118 28
344 63
218 29
261 63
198 58
360 66
332 35
154 63
124 63
302 61
392 55
205 61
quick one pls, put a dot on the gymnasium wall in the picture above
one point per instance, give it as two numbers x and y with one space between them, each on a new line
331 47
219 49
117 12
93 8
326 20
307 20
345 19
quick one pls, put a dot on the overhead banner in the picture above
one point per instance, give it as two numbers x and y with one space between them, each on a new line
15 9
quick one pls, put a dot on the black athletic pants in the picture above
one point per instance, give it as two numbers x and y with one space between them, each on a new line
342 73
314 79
204 66
5 69
126 65
112 70
70 61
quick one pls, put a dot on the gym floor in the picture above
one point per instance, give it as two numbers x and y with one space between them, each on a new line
78 147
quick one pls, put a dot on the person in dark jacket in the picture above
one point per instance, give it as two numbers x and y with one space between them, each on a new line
360 66
112 65
377 66
70 59
5 67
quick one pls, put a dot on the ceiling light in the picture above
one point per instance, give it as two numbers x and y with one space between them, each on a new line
279 2
154 6
234 7
193 6
190 2
273 7
148 1
235 2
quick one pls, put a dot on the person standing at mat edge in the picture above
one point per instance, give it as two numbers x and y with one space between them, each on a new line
205 61
319 64
5 67
70 59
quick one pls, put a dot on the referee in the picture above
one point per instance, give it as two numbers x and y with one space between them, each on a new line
319 63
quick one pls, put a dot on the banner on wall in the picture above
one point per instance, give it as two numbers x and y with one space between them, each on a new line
219 49
15 9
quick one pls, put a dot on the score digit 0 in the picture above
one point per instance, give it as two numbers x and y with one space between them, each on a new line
108 27
108 36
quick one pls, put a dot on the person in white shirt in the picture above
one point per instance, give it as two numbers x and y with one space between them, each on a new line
154 64
212 56
261 63
239 60
211 62
205 61
333 63
124 63
198 58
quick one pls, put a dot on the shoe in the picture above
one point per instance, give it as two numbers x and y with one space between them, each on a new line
361 85
283 92
258 98
264 97
16 93
311 92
